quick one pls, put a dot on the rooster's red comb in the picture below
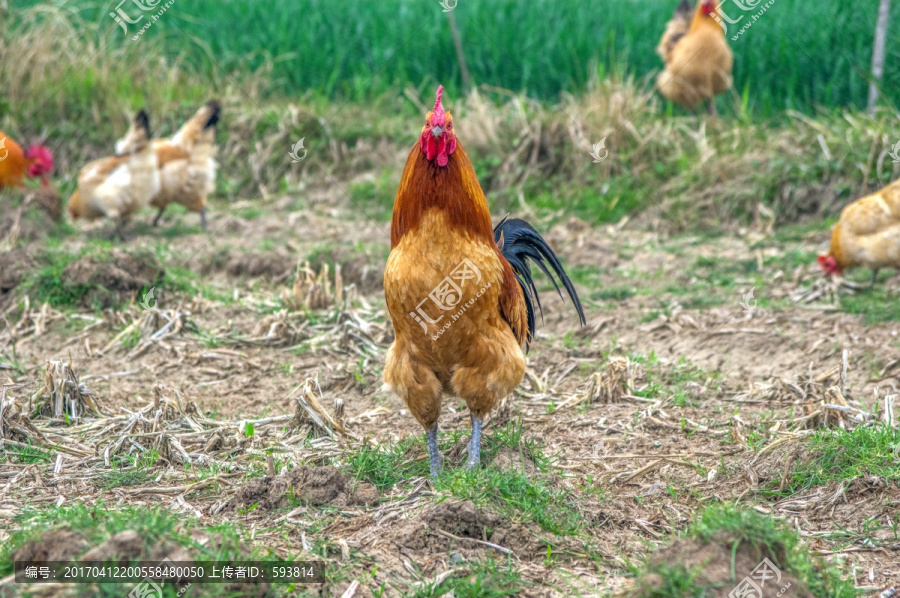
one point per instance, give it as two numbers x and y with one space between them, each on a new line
438 114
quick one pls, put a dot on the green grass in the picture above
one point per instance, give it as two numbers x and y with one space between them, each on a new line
48 286
376 197
97 523
25 455
339 83
483 579
837 455
129 470
606 201
673 382
875 305
521 498
391 463
677 582
617 294
798 55
518 496
766 535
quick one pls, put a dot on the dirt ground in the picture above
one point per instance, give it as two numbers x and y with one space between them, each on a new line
678 392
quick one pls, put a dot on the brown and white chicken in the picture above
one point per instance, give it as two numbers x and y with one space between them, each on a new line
119 186
187 163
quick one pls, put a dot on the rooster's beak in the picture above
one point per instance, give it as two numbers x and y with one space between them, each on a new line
437 132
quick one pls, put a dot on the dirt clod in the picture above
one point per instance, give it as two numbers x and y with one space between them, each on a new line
112 279
463 519
55 545
316 486
16 264
124 546
49 200
260 265
718 568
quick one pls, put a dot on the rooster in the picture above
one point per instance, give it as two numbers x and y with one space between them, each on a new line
16 164
867 234
187 163
118 186
461 295
698 61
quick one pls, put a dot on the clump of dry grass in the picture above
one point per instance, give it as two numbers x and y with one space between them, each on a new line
312 291
686 171
9 240
14 424
612 384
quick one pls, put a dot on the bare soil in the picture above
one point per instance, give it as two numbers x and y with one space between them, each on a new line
639 459
315 486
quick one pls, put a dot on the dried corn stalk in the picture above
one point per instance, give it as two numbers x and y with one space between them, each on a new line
14 424
607 386
62 396
312 415
315 291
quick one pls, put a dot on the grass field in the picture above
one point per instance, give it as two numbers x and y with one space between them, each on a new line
723 405
803 55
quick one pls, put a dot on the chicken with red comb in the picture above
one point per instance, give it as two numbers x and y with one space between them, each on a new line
41 159
438 140
16 165
867 234
698 60
459 291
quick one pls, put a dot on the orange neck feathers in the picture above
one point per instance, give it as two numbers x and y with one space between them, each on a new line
705 15
835 250
452 189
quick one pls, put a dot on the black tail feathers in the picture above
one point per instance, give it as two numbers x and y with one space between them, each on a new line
684 8
215 113
142 121
519 242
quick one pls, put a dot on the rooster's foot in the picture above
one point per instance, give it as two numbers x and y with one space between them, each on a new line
475 444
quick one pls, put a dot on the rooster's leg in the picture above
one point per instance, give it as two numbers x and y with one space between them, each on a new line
203 220
158 216
434 455
120 229
874 277
712 107
475 444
